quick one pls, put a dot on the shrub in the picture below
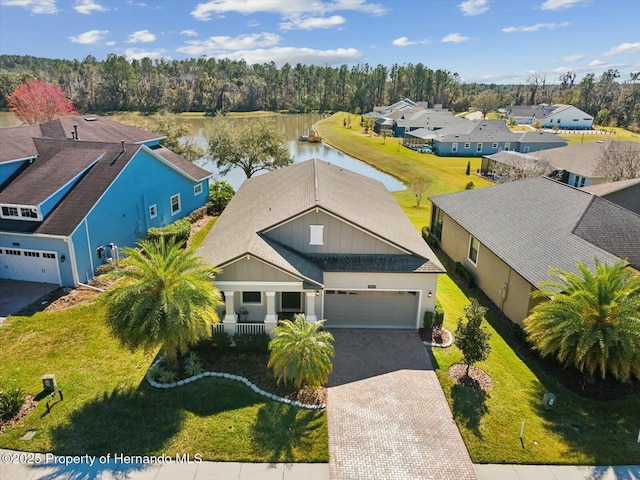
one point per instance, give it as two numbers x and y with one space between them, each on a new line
197 214
166 376
465 274
12 398
193 365
438 316
106 267
469 186
468 170
178 231
426 235
258 343
427 321
220 194
222 341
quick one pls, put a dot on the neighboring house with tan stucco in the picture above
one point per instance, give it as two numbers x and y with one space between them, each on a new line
509 236
318 239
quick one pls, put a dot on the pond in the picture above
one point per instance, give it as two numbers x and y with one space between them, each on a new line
292 126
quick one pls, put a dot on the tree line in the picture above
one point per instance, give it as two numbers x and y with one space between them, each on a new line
209 85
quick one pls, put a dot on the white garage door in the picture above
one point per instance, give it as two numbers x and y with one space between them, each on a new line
370 308
29 265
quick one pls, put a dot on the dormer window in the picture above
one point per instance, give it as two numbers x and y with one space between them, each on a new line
9 211
20 212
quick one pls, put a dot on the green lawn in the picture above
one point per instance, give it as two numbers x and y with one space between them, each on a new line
108 406
577 430
446 174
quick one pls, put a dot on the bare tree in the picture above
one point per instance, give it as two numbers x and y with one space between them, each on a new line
534 82
522 168
486 101
419 187
619 161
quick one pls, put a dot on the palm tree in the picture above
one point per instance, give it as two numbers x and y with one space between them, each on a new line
301 352
591 321
165 297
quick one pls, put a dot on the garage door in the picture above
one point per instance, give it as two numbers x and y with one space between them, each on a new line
29 265
370 308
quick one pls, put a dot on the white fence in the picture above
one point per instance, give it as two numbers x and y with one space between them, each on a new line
249 328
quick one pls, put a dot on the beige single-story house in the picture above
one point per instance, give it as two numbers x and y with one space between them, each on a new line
317 239
510 235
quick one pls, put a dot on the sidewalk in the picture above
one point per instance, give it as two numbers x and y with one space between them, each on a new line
11 469
557 472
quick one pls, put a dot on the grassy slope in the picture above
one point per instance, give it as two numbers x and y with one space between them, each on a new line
109 408
577 431
446 174
617 134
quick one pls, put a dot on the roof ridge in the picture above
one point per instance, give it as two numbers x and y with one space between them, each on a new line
315 182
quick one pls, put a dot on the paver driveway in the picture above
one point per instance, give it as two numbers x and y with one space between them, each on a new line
388 417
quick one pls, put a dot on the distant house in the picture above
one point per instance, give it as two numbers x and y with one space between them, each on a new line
509 236
625 193
317 239
476 138
75 189
551 116
578 165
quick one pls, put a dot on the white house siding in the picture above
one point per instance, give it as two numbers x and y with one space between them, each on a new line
339 237
570 118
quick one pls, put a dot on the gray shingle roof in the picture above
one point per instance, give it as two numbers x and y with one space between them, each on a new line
272 199
529 224
17 142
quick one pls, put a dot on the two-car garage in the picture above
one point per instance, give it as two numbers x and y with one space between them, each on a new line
29 265
371 308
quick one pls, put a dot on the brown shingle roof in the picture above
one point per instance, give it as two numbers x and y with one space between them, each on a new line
16 143
272 199
93 128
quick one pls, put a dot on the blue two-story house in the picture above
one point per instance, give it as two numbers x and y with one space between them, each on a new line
75 190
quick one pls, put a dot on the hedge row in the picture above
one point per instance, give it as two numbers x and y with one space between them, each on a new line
178 231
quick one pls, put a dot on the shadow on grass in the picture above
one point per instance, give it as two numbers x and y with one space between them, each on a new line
605 432
469 406
280 428
141 421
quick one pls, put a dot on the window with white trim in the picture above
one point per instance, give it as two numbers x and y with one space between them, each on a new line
197 189
454 147
9 211
474 247
175 204
507 146
494 145
316 234
479 147
153 211
467 146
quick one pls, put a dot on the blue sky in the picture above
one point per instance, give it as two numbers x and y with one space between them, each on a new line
489 41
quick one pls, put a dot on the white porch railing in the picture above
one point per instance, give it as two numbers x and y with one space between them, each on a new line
249 328
217 328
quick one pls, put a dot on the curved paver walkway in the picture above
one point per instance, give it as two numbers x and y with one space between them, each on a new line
388 417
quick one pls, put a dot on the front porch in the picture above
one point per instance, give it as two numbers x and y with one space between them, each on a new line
255 312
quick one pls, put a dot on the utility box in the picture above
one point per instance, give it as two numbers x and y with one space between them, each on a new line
548 400
49 382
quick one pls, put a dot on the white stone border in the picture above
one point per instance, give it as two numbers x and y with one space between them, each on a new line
441 345
228 376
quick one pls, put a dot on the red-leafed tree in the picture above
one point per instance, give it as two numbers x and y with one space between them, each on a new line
36 102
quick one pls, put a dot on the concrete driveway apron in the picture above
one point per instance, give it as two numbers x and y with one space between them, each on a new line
388 417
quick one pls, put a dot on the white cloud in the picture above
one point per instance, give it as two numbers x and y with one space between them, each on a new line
311 23
561 4
405 42
455 38
474 7
624 48
292 55
574 58
91 37
536 27
286 8
87 7
34 6
138 54
189 33
597 63
217 44
141 36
